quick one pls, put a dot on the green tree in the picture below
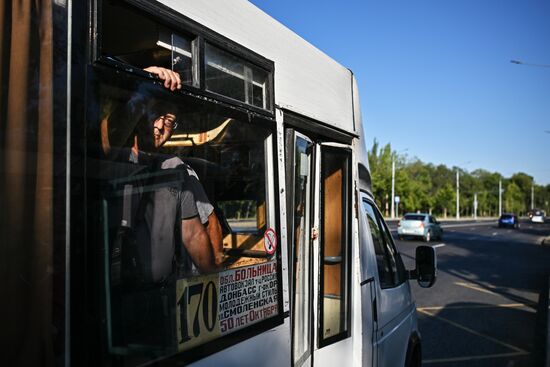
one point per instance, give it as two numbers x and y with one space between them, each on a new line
380 166
445 199
513 198
524 183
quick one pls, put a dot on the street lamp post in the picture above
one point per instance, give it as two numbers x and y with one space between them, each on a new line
457 194
475 205
532 195
499 198
392 188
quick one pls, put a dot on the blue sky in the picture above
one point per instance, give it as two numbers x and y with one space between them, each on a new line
435 76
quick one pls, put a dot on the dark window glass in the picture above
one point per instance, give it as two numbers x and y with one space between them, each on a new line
164 167
414 217
382 257
391 270
398 268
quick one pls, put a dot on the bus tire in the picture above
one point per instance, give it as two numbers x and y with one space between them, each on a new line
414 352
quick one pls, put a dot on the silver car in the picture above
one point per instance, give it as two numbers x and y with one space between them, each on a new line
419 225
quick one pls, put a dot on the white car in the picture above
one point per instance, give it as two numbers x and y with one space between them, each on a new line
537 217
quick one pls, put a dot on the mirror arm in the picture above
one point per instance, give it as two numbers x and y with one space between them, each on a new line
412 274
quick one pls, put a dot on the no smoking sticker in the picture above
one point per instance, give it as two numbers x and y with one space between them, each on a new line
270 241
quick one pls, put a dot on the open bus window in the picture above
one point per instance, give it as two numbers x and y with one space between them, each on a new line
233 77
132 37
160 298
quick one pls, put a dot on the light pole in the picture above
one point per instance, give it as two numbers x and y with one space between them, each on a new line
499 197
533 194
393 181
475 205
392 188
457 194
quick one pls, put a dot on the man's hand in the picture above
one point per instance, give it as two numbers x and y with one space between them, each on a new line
171 79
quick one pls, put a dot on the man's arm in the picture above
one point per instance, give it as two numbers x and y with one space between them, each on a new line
197 243
214 230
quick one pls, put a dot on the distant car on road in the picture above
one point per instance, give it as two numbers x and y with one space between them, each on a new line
508 220
537 217
419 225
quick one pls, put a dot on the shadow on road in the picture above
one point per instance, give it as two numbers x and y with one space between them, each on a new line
478 334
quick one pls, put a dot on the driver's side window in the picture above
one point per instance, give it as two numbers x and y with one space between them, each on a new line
391 270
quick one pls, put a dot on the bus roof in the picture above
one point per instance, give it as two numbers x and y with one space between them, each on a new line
307 81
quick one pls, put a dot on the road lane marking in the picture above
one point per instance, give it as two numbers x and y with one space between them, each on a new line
503 305
488 223
473 358
438 245
471 331
477 288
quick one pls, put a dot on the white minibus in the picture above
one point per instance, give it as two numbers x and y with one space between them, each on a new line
265 150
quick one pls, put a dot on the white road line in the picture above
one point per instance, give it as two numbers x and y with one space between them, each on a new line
474 358
501 305
468 224
438 245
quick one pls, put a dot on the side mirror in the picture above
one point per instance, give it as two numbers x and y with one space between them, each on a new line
426 266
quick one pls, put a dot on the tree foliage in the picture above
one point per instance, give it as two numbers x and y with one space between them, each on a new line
429 188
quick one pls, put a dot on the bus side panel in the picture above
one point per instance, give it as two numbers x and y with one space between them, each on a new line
301 69
392 347
269 349
336 354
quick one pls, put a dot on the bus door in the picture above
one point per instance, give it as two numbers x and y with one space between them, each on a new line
319 177
300 152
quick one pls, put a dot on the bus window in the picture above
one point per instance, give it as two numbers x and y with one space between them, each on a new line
230 76
181 199
134 38
335 246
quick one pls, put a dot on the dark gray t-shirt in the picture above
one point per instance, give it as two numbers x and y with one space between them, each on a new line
166 200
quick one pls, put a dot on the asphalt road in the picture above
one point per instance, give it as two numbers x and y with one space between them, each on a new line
485 308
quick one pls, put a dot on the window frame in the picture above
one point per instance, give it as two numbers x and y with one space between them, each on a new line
185 26
347 243
98 71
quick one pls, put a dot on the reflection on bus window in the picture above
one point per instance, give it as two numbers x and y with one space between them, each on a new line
233 77
183 208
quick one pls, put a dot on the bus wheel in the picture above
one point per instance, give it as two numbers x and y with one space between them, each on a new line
414 355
